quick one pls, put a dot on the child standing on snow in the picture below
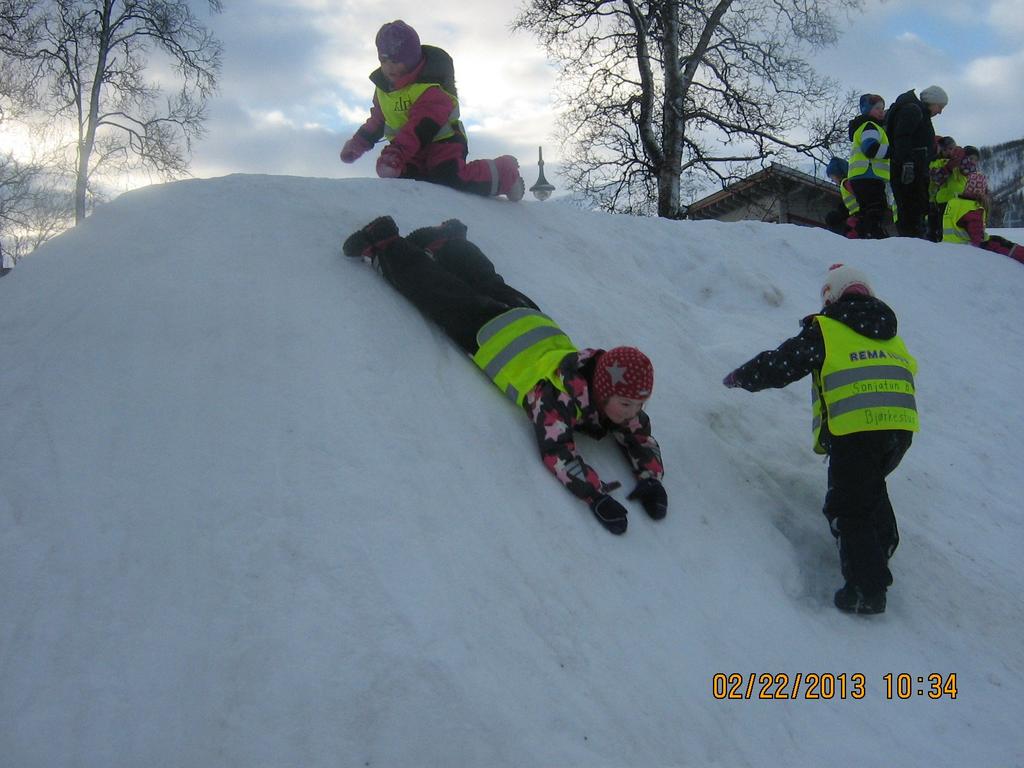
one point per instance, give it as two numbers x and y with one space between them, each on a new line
869 167
416 108
562 389
864 416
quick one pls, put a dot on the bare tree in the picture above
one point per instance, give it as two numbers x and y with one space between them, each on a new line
16 29
86 61
34 205
653 90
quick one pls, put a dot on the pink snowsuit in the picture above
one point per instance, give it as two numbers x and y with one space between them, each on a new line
431 144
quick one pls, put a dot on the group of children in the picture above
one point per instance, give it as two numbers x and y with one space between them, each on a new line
939 179
863 376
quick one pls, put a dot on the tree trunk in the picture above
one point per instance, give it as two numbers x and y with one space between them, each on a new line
672 123
87 137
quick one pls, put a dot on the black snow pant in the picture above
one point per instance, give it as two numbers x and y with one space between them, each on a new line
874 207
835 220
457 287
935 214
857 504
911 202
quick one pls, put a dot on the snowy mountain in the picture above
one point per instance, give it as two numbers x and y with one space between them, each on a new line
255 511
1004 165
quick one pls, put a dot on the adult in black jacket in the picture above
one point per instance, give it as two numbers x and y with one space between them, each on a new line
912 141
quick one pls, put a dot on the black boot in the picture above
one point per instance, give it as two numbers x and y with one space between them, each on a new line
852 599
432 238
372 238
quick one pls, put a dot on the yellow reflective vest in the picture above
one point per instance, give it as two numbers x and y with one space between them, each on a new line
874 167
849 199
519 348
864 384
956 209
395 106
955 183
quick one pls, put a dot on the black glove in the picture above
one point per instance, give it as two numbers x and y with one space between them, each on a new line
730 380
609 513
907 172
651 494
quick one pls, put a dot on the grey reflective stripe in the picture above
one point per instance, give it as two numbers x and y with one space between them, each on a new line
960 234
512 393
494 177
503 321
867 373
863 165
871 400
816 422
517 345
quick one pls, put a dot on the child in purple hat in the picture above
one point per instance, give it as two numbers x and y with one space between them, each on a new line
416 109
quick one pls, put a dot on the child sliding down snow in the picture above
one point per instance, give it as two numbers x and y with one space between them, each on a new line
562 389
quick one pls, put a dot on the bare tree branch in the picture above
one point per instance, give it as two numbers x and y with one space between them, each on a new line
86 62
653 89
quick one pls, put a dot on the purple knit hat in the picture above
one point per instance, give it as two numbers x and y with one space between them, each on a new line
398 42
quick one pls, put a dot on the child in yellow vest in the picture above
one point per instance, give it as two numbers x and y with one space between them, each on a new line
947 178
416 109
863 417
868 175
563 390
965 217
843 219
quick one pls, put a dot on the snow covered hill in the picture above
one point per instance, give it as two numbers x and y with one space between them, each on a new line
255 511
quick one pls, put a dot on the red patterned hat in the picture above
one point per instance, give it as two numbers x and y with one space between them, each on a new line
623 372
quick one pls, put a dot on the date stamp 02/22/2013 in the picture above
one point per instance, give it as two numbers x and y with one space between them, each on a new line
811 686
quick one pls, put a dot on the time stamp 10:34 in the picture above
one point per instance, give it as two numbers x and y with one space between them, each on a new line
769 686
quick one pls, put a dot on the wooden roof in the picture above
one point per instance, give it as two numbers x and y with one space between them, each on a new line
771 180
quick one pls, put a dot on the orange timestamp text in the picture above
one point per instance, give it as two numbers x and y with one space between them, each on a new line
776 686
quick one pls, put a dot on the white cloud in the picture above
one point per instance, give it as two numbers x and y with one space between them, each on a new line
1007 17
274 117
999 75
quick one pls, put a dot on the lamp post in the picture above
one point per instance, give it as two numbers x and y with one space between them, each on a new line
543 188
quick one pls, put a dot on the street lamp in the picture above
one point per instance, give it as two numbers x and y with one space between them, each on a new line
543 188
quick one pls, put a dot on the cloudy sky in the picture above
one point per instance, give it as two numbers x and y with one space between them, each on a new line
294 84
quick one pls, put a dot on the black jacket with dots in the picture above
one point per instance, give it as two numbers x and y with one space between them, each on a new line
798 356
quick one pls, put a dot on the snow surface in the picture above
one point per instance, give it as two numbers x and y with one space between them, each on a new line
255 511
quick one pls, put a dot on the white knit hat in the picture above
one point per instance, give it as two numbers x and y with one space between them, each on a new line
934 95
843 279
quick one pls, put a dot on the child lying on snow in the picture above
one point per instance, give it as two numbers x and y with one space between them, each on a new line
561 388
